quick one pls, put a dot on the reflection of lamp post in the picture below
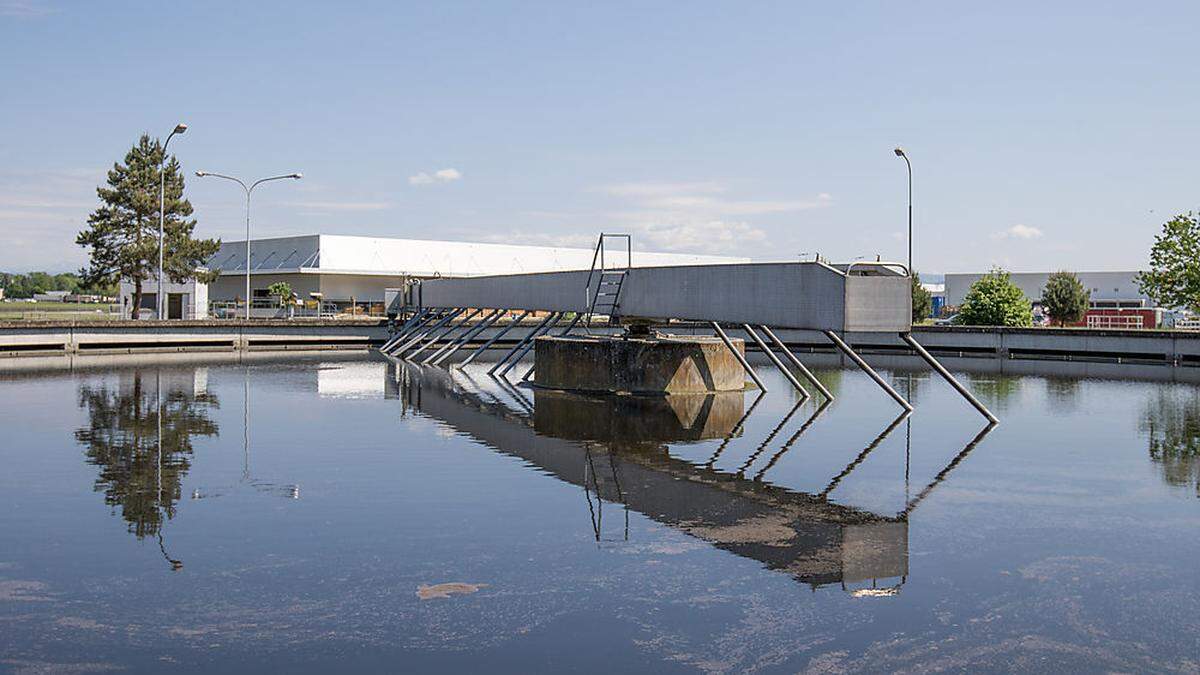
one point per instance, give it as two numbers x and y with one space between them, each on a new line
162 214
246 423
900 153
176 565
249 189
290 491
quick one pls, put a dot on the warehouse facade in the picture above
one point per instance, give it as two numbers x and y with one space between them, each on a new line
341 269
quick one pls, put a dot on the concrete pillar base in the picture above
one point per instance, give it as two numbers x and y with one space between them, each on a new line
658 364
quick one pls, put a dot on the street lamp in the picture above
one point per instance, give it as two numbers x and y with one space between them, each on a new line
162 212
249 189
900 153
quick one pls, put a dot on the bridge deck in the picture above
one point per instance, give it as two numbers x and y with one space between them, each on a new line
812 295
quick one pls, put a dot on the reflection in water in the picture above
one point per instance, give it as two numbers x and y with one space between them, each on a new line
139 433
787 445
288 490
1062 394
616 448
911 383
1171 421
995 388
862 456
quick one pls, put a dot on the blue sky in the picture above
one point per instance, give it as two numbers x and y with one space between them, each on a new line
1043 135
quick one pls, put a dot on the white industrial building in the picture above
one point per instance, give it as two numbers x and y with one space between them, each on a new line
1108 289
188 300
340 269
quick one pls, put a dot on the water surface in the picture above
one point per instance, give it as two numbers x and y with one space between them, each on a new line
305 514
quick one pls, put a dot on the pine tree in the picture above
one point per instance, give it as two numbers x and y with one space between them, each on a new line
123 232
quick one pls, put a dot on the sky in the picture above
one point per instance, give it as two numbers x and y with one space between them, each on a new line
1042 135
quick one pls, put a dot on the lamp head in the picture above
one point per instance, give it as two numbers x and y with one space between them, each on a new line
899 151
180 128
201 174
296 176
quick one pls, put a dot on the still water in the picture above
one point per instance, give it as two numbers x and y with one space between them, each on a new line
344 513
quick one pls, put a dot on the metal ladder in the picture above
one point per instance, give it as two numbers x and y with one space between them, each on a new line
608 281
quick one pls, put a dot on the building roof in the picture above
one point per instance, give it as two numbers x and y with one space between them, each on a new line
383 256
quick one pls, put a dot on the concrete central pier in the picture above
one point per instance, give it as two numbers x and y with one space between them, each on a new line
652 364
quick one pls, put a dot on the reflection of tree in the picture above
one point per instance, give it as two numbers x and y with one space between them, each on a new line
1062 394
122 439
831 378
911 383
995 388
1172 423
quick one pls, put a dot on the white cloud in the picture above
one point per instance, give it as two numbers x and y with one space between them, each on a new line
711 236
440 176
341 206
698 216
40 214
657 189
1019 231
24 8
567 240
695 217
700 202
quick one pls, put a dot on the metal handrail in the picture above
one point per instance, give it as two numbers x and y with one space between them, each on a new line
878 263
590 299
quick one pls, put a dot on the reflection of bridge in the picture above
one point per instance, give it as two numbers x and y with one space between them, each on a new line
804 535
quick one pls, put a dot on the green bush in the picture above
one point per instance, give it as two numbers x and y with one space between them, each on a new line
995 300
922 300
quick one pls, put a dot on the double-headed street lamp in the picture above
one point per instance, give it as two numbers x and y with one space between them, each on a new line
900 153
162 214
249 189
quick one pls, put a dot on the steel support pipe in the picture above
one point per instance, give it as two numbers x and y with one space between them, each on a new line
404 329
495 337
532 341
738 355
566 331
808 374
837 341
521 344
457 342
450 316
941 370
775 359
424 318
442 336
469 335
409 324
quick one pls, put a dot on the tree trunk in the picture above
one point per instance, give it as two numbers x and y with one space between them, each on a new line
135 312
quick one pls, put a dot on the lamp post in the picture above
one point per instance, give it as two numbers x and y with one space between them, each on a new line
900 153
249 190
162 213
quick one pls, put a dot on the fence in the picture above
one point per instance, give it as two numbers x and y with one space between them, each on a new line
270 309
1115 321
